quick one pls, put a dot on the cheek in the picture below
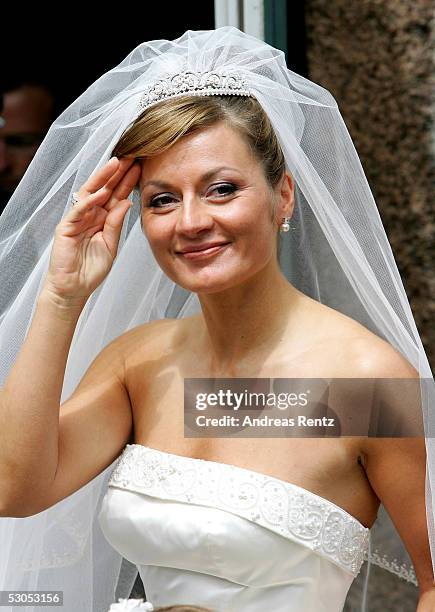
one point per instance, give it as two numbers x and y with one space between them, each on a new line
250 218
258 223
156 231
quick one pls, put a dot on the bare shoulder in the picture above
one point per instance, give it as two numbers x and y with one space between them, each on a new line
373 357
360 352
363 354
151 338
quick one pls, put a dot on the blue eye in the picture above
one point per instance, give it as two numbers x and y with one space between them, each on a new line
157 202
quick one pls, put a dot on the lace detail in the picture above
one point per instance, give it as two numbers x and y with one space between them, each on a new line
69 537
403 571
282 507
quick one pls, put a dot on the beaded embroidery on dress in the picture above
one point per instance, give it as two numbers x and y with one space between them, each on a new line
184 520
282 507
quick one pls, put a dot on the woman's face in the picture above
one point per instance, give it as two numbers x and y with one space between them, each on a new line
208 189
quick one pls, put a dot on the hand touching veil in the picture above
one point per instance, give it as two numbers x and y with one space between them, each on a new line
86 240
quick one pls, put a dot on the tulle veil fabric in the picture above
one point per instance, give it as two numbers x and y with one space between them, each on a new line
337 252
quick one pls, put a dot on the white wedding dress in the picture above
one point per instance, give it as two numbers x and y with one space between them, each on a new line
222 536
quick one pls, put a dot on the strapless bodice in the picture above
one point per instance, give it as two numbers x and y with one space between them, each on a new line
218 535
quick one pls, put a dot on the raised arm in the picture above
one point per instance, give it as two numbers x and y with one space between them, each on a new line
36 439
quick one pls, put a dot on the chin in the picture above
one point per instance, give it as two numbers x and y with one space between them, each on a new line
213 282
204 287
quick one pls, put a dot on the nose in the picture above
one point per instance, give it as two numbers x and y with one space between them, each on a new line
193 216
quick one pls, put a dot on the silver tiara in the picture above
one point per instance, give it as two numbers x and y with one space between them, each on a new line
194 84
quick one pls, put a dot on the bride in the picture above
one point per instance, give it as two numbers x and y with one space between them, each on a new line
229 522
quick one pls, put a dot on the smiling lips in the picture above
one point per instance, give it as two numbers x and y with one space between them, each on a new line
203 250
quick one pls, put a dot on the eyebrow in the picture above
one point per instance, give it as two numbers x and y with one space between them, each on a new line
205 177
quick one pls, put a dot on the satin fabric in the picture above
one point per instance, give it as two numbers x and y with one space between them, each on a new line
217 535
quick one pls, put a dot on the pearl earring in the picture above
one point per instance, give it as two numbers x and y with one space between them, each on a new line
285 225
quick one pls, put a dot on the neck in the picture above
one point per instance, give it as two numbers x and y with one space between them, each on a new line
247 321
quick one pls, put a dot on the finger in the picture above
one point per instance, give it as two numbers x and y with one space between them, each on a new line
125 186
106 179
99 183
124 165
113 225
103 196
78 211
100 178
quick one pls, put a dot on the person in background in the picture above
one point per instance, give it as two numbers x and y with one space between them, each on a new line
27 111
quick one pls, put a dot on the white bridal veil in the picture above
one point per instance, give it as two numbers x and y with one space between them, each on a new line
337 252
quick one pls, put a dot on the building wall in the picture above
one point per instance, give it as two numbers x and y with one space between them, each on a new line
377 57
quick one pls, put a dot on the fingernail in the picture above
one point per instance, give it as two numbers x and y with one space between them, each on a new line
112 158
